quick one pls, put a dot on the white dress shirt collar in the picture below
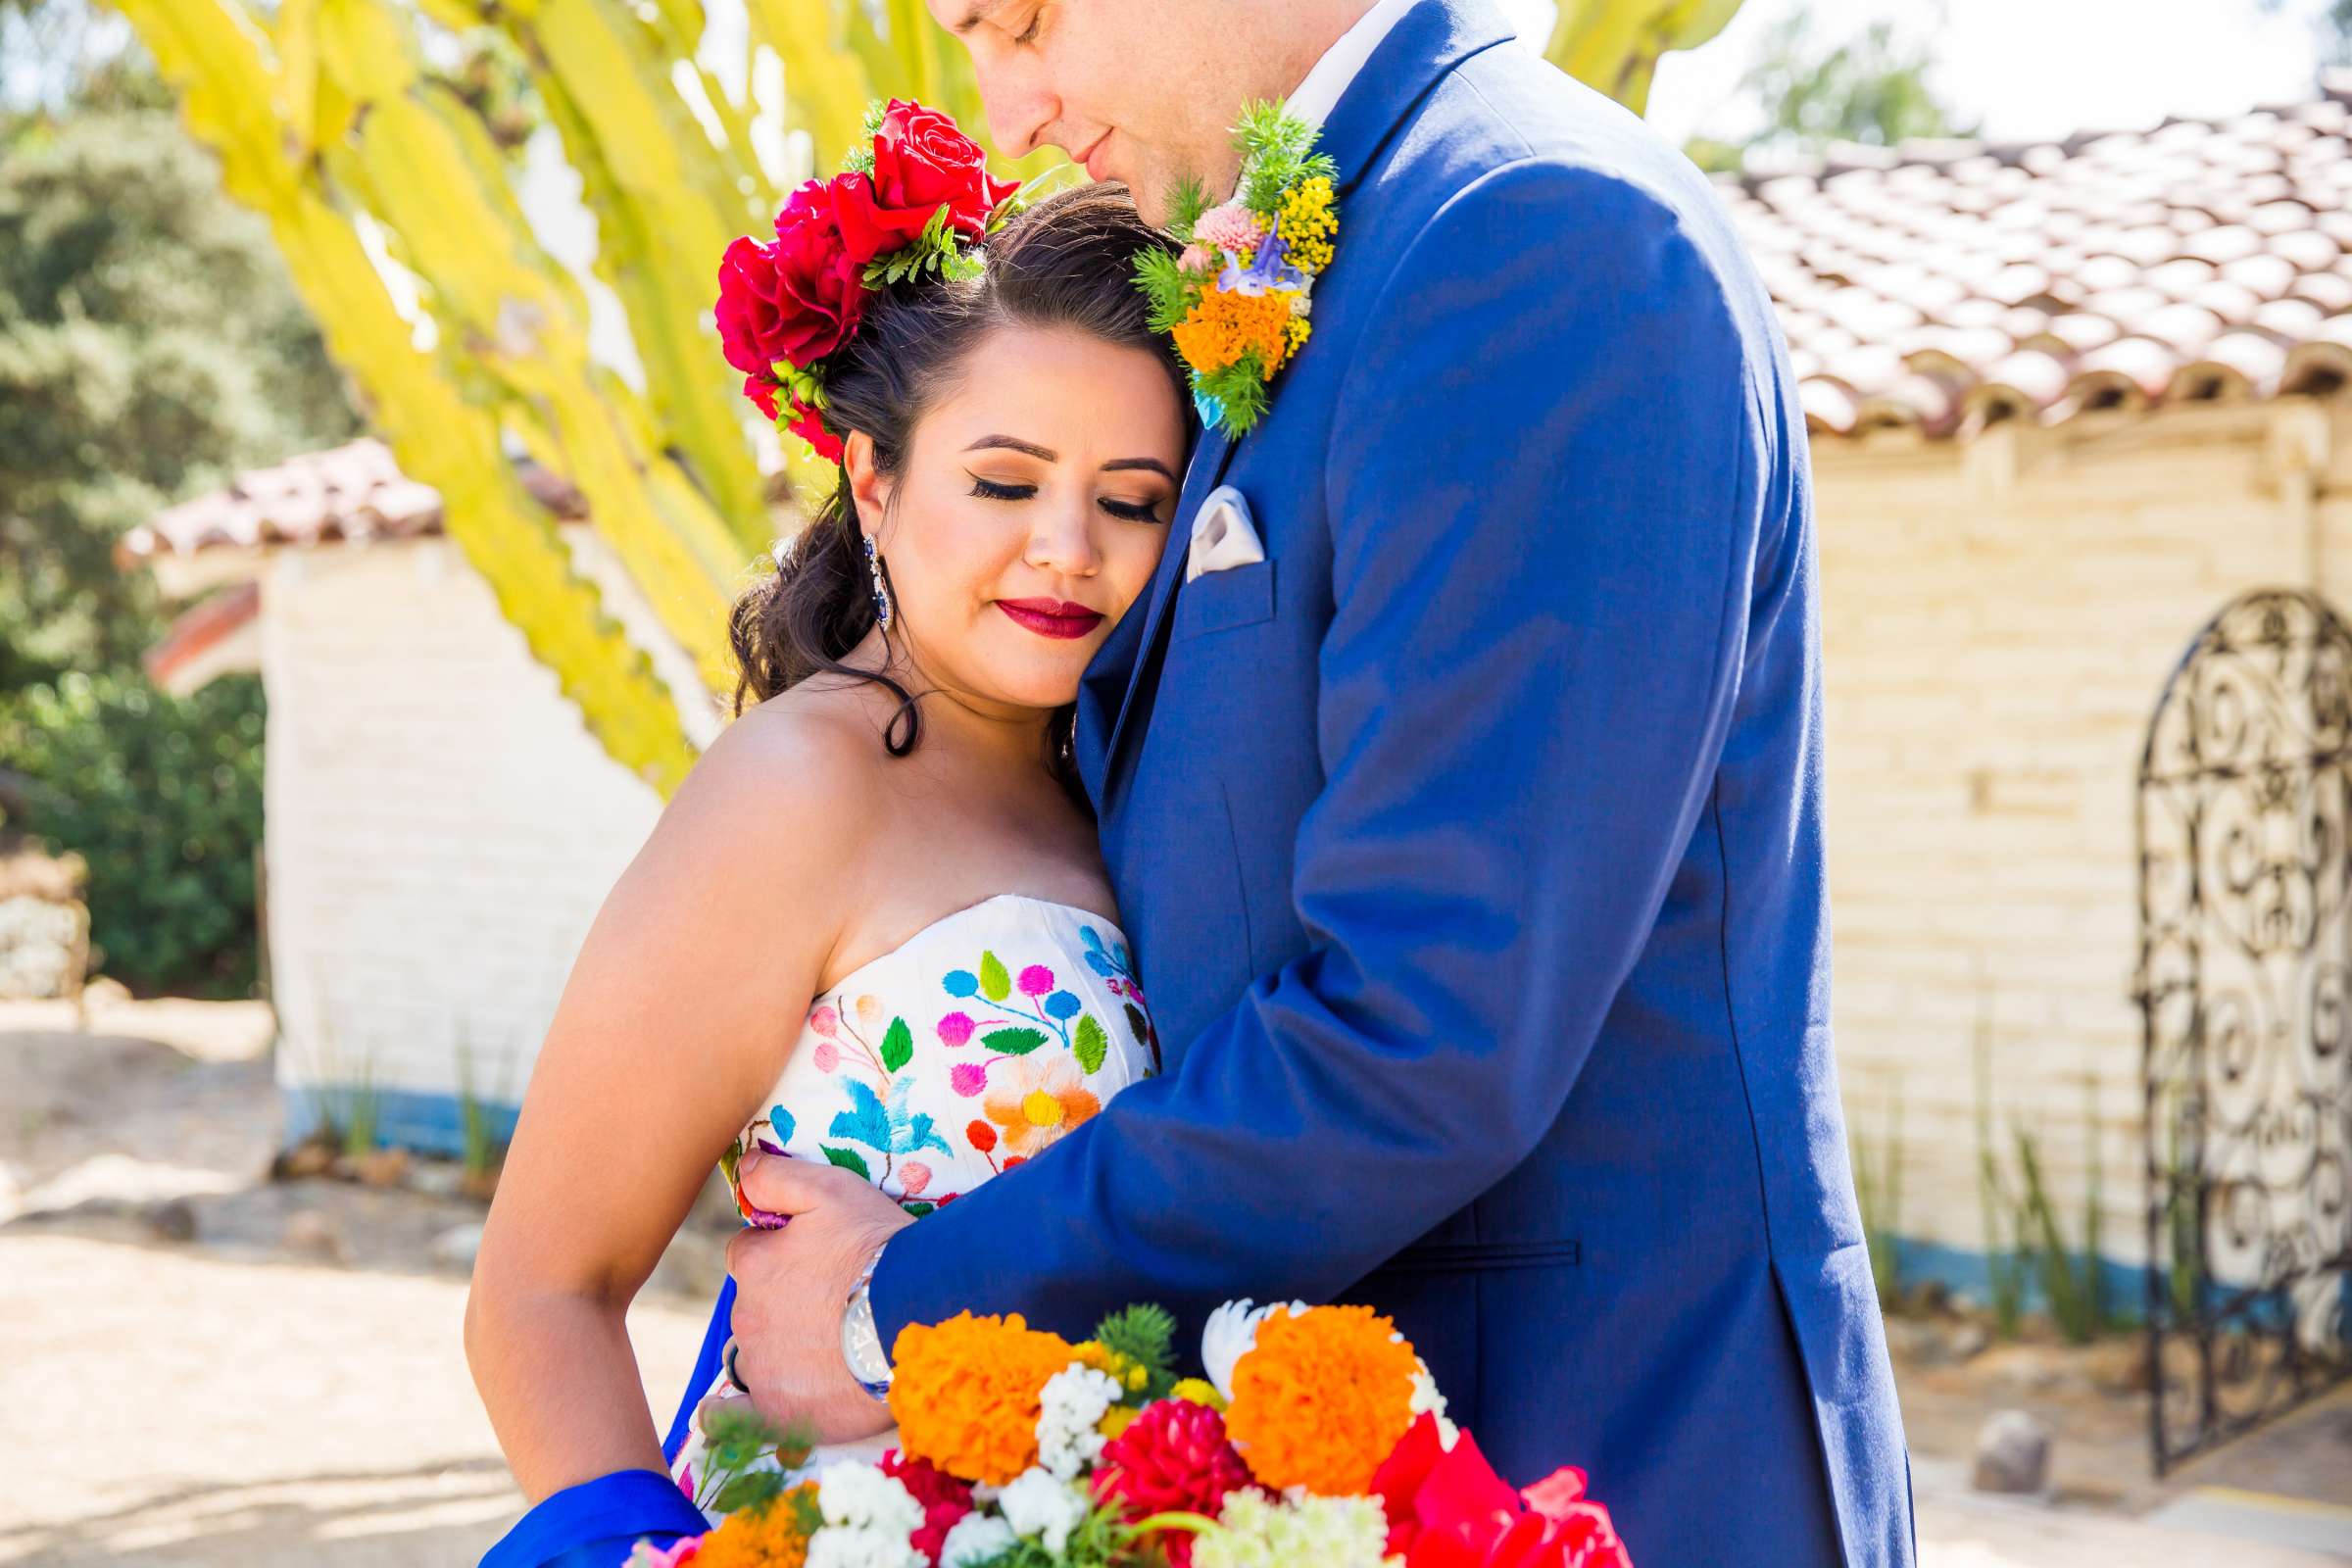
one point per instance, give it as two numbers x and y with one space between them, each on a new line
1324 86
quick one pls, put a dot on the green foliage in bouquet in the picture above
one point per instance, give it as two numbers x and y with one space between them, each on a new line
736 1439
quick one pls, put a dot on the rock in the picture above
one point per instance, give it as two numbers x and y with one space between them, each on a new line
305 1160
2117 1366
1926 1297
171 1219
455 1247
380 1167
481 1184
437 1178
2013 1453
1965 1341
311 1232
104 991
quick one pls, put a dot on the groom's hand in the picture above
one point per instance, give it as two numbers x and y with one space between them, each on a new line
791 1285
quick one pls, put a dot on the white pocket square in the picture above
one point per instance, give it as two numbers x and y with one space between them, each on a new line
1223 536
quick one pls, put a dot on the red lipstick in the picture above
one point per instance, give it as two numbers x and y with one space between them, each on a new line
1052 617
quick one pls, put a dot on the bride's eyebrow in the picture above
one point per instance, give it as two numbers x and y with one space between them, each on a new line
1121 465
1011 443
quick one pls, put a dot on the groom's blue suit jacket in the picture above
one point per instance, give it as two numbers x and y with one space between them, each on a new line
1472 848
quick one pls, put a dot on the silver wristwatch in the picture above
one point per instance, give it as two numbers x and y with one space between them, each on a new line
861 1342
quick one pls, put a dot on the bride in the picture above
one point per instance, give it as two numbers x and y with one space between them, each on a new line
872 928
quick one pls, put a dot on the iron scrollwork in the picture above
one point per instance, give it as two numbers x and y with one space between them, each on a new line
2245 991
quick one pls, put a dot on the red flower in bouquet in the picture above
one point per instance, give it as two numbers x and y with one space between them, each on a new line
1448 1508
1174 1455
943 1498
921 162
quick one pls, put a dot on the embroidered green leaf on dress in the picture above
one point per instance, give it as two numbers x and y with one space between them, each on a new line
1014 1041
1136 1024
848 1159
918 1209
995 984
897 1045
1091 1045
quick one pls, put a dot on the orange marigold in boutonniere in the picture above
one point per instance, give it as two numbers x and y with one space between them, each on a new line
1321 1398
966 1394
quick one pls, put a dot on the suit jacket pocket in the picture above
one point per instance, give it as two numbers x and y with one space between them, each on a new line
1218 600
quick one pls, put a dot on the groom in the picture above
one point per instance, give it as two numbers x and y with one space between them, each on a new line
1472 840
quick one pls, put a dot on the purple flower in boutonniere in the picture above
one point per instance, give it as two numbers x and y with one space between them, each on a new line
1268 269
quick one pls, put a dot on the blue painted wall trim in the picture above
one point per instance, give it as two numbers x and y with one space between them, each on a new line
429 1123
1963 1272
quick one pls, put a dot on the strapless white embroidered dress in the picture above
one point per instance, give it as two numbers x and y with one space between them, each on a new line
972 1046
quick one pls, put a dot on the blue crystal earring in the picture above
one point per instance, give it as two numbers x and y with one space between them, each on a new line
873 564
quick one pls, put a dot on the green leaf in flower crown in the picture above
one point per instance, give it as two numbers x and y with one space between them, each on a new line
897 1045
748 1492
848 1159
1091 1043
1014 1041
995 984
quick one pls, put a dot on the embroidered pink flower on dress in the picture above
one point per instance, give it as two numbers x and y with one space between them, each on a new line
956 1029
827 1055
826 1021
969 1079
1036 980
913 1177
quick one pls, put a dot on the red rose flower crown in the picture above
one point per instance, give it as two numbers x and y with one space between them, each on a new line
918 201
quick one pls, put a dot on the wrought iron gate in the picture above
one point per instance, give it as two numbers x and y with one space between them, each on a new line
2245 994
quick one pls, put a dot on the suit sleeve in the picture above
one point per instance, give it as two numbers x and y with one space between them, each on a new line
1544 490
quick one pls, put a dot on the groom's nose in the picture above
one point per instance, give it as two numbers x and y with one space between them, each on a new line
1016 94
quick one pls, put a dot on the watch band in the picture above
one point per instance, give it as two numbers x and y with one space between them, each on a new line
861 1342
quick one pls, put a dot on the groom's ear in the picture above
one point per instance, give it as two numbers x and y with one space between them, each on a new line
869 491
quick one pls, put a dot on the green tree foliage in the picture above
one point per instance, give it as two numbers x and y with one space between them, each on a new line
149 347
163 796
1872 88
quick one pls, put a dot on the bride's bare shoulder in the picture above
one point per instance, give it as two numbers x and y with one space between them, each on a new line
794 778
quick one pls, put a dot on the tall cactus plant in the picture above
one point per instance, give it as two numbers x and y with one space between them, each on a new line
465 338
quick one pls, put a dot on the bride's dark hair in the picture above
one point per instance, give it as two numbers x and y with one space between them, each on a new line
1068 263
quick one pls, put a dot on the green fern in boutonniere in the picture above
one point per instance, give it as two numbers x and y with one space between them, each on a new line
1236 299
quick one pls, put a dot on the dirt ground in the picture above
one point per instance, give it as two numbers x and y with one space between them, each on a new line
203 1367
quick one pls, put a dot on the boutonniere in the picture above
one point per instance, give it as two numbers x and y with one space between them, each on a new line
1237 299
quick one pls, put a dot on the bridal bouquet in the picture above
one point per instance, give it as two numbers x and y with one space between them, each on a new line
1317 1437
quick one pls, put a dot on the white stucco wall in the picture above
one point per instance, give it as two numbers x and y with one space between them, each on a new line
440 826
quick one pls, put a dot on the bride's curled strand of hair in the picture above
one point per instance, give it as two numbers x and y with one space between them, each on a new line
1066 263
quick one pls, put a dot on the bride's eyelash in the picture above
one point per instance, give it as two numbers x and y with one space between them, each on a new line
1130 511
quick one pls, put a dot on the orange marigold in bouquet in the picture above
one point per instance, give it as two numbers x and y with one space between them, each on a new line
1321 1398
966 1394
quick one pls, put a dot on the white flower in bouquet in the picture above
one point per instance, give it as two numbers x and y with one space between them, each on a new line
1070 1406
1042 1504
862 1546
974 1539
1231 1330
1257 1532
1426 1397
853 1492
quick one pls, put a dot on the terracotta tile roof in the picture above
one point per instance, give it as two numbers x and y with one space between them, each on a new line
351 492
1945 285
203 629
